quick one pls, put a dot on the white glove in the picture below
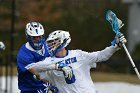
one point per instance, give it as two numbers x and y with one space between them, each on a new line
2 46
67 70
119 40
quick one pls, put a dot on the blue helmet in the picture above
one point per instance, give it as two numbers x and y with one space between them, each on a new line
57 40
35 35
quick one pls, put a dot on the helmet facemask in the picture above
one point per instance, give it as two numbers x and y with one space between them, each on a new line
36 41
54 46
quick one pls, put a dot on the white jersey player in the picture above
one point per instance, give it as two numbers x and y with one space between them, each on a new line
78 64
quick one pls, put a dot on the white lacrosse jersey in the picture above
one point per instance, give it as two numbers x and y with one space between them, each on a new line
81 63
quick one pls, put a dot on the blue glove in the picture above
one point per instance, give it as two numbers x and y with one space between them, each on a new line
52 89
60 65
119 40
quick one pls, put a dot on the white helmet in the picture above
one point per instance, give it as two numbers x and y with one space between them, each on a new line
57 40
35 35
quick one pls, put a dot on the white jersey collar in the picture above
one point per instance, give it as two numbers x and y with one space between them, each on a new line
41 51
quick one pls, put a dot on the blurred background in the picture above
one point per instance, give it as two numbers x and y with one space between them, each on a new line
85 20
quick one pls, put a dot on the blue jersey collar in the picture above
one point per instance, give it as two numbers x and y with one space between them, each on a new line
67 52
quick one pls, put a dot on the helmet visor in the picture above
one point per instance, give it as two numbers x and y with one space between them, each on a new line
36 39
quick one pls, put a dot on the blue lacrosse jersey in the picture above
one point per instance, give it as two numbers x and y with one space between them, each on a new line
26 80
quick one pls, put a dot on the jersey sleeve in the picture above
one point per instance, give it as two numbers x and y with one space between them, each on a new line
46 75
98 56
93 65
41 66
24 58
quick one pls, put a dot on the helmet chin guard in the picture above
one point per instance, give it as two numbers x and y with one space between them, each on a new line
57 40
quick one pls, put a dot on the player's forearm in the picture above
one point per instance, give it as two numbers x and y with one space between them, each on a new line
40 67
106 53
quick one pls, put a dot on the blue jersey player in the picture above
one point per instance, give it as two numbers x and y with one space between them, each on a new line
34 50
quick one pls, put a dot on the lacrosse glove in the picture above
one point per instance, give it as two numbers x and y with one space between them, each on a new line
52 89
67 71
119 40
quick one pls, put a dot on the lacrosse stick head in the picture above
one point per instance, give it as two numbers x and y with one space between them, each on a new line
115 23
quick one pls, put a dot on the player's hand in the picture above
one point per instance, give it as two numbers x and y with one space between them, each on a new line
52 89
119 40
122 39
2 46
67 70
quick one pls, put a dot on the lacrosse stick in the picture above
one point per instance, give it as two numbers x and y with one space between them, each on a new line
113 20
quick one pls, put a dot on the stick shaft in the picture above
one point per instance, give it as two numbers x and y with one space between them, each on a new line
131 60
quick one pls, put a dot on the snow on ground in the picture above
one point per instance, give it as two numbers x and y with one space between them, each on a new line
103 87
117 87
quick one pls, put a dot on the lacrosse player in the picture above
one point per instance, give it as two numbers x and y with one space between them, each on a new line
31 52
79 61
2 46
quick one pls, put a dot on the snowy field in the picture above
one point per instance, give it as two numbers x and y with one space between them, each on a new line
117 87
103 87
